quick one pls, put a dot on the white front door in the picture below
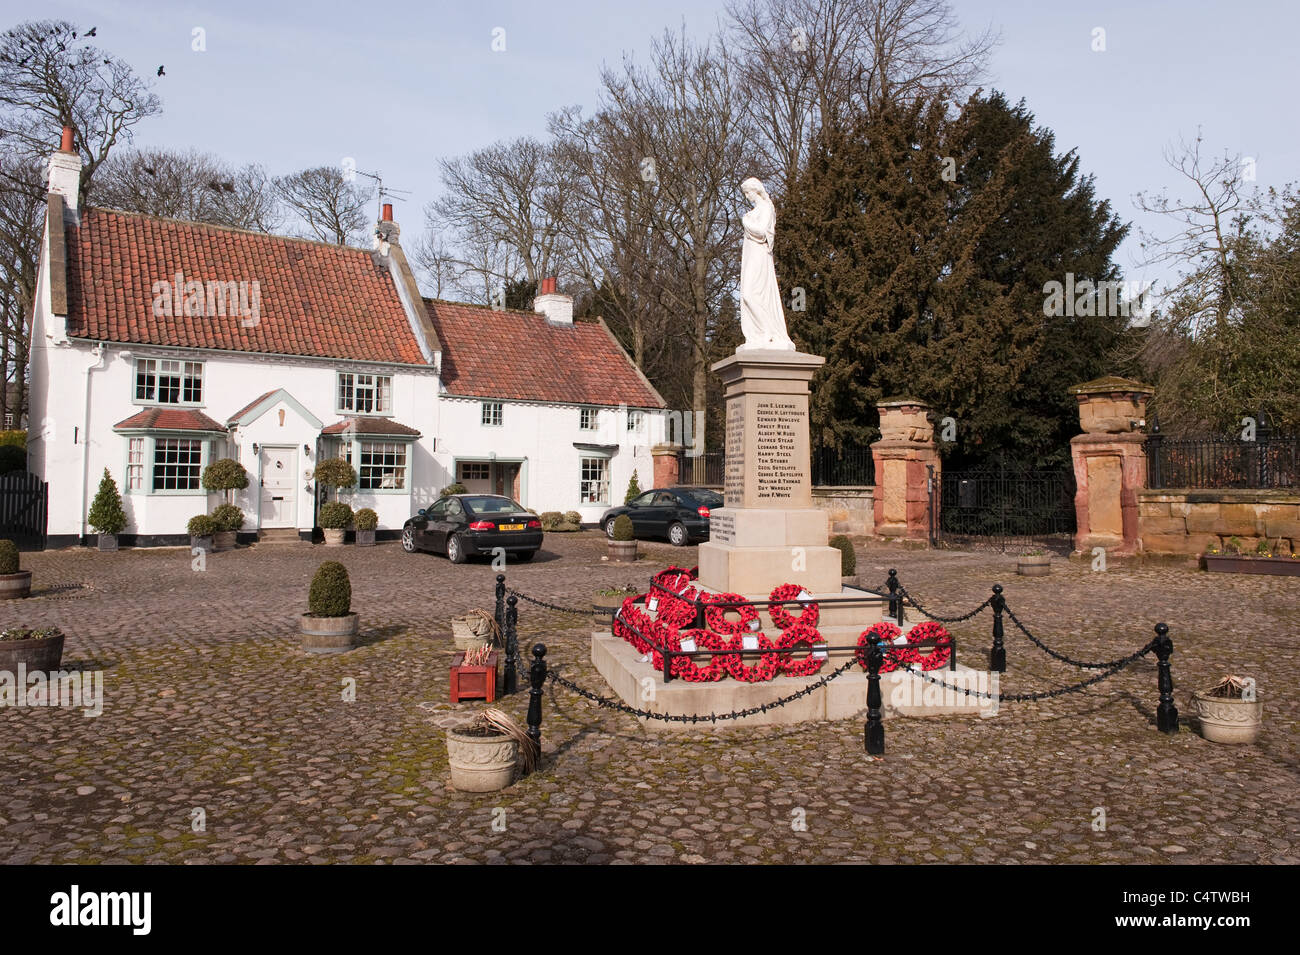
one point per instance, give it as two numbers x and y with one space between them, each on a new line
279 487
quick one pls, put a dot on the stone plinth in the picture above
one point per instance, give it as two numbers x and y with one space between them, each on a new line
902 457
1110 464
768 533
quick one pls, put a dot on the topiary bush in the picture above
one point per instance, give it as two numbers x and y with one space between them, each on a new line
227 474
335 515
12 458
633 489
202 525
623 528
331 591
8 557
451 489
227 517
551 520
365 519
573 517
335 473
106 514
848 559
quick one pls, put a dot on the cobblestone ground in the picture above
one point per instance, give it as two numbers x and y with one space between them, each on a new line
209 704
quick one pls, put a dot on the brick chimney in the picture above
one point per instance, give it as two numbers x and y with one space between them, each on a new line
65 171
557 308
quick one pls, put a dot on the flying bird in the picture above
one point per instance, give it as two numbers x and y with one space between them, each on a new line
160 71
91 31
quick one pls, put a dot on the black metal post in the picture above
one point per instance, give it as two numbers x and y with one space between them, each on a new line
1166 712
1155 474
510 681
668 665
501 604
874 732
895 602
998 655
929 505
536 678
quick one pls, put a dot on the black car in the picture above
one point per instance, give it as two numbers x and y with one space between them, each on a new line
680 514
466 525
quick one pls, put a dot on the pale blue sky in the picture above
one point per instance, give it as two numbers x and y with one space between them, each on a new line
398 85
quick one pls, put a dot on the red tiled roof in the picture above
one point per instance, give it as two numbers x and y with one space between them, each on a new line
169 419
251 405
520 355
317 300
369 426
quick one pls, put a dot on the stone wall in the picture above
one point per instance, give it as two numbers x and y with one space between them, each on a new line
1187 521
849 510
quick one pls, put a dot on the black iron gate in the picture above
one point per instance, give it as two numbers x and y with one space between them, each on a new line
1006 507
24 500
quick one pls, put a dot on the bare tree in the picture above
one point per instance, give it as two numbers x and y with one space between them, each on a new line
813 62
326 203
193 186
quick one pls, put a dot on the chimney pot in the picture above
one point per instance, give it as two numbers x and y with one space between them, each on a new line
65 143
388 212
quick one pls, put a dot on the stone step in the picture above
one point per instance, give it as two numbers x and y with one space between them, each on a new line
279 535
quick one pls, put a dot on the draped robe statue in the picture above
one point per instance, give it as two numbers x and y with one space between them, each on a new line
762 319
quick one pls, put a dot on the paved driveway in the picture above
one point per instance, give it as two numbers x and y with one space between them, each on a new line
211 709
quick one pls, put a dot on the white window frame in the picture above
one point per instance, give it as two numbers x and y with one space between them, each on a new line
356 449
140 461
585 482
635 420
492 414
588 419
363 393
188 376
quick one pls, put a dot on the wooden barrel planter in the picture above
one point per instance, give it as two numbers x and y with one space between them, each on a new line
328 634
43 654
622 552
1039 566
481 761
13 586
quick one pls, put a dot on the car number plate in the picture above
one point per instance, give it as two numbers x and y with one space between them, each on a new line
511 527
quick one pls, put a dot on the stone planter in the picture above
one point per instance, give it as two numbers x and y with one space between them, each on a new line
1227 720
334 536
366 538
328 634
223 541
108 543
465 636
16 585
622 552
205 544
1034 566
481 764
1241 564
43 654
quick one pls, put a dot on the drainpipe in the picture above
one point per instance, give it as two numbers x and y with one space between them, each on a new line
98 353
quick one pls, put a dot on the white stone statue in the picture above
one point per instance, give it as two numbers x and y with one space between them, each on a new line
762 319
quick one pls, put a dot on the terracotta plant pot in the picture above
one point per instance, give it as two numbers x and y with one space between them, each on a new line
1039 566
16 585
481 764
622 552
334 536
107 543
1240 564
366 538
328 634
223 541
43 654
1227 720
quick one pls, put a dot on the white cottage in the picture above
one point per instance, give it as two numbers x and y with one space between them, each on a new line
159 346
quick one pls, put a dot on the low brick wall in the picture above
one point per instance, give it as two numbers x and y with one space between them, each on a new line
849 510
1187 521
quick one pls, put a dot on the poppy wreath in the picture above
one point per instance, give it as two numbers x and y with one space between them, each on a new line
717 620
937 656
692 672
787 593
633 616
886 633
792 637
661 636
767 667
672 579
678 611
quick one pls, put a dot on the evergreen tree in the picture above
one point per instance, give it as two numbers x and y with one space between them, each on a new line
106 514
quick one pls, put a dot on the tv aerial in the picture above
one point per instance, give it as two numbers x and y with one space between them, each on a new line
378 177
